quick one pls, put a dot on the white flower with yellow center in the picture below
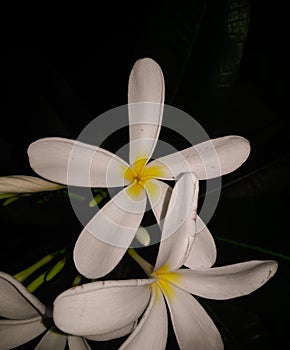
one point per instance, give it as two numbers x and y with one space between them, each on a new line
25 318
100 306
105 239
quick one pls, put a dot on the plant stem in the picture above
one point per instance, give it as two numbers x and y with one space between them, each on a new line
252 247
56 269
77 280
148 268
22 275
36 283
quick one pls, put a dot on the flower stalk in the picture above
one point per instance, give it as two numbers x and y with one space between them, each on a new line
23 275
148 268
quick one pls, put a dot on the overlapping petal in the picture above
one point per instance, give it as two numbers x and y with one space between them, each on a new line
16 302
179 224
76 163
227 281
105 239
151 332
77 343
145 106
207 160
203 251
159 202
52 340
193 327
17 332
117 333
101 307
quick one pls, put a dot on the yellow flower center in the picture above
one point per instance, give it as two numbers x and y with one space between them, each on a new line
138 175
165 280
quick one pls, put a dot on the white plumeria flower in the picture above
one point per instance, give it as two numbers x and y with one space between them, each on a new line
16 184
25 318
111 230
100 306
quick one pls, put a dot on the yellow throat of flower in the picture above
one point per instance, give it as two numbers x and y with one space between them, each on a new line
165 281
139 174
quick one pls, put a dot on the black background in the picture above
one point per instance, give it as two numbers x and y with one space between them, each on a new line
77 66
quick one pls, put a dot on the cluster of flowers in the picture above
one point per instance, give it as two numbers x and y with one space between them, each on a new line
104 310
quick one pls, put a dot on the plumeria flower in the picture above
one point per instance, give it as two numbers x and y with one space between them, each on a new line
18 184
25 318
100 306
105 239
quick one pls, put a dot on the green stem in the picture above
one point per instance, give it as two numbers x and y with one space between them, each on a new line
254 172
148 268
77 280
7 195
97 199
10 200
22 275
56 269
252 247
76 196
36 283
47 276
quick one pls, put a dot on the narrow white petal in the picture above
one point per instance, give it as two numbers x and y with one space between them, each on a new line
17 332
208 159
179 224
101 307
75 163
52 341
183 204
15 301
203 250
118 333
228 281
145 99
159 201
25 184
151 332
105 239
77 343
193 328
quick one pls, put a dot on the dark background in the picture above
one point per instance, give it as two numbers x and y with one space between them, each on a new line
226 64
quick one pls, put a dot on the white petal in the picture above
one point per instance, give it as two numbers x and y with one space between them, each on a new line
77 343
52 341
193 327
15 301
208 159
105 239
94 258
145 98
151 332
179 224
228 281
159 201
101 307
182 204
203 249
17 332
25 184
75 163
118 333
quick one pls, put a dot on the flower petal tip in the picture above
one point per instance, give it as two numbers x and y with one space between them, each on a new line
143 236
